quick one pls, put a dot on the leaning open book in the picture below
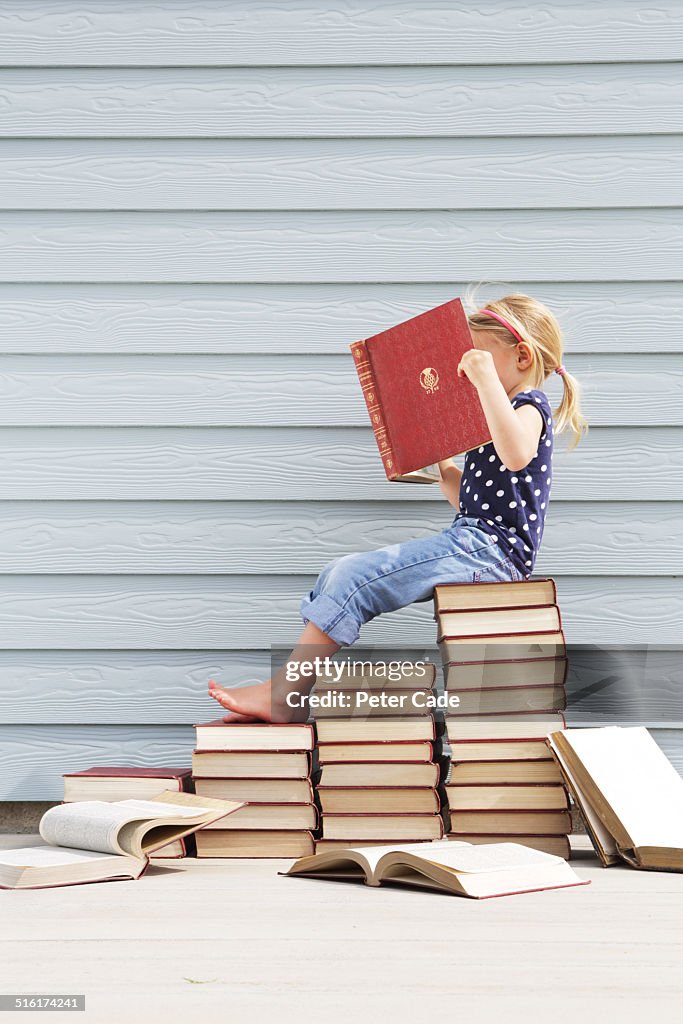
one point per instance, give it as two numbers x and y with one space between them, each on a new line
97 840
629 793
459 869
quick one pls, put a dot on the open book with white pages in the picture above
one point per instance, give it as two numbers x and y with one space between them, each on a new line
98 840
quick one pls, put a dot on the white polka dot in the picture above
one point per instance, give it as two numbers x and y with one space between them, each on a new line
526 527
513 504
492 458
527 563
526 548
536 398
538 529
501 468
542 504
467 490
533 516
514 479
471 465
512 529
478 473
548 480
462 504
476 497
537 492
535 455
499 519
548 443
543 469
523 503
489 482
513 540
481 449
490 522
528 479
499 494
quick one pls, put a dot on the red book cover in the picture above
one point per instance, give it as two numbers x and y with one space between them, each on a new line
420 409
132 772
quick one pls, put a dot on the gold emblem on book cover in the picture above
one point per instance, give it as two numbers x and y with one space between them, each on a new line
429 379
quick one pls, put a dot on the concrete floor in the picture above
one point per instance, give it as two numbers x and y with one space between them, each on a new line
231 941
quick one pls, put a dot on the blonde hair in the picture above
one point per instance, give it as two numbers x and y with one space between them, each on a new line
540 330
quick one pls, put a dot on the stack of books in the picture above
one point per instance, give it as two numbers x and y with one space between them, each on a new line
504 658
269 766
379 756
127 782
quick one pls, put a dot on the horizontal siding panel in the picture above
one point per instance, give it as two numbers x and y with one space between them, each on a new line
73 611
610 317
339 174
383 32
582 538
34 758
480 100
318 464
211 390
606 685
341 245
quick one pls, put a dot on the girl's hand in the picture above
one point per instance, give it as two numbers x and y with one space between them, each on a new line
478 366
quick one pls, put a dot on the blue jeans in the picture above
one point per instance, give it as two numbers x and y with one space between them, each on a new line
355 588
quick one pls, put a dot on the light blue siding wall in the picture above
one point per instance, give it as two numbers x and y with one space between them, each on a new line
203 204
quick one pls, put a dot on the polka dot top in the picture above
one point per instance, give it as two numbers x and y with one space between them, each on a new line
512 506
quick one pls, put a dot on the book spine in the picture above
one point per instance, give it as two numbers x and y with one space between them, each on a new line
371 396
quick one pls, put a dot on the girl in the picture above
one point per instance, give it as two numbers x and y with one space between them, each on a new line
501 495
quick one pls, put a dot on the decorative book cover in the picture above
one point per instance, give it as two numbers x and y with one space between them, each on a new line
420 409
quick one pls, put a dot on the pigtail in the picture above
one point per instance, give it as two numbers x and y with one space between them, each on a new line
568 414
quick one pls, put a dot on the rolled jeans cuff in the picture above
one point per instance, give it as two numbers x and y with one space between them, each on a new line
331 618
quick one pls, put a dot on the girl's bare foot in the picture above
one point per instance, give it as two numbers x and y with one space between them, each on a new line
267 702
254 704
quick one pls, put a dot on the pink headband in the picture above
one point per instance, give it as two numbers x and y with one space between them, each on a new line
501 320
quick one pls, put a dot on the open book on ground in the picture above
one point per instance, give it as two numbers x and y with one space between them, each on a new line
459 869
630 794
98 840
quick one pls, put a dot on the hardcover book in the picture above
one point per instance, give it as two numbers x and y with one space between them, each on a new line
558 846
378 751
457 868
98 840
124 782
421 411
251 764
528 796
628 791
245 736
450 597
251 843
378 800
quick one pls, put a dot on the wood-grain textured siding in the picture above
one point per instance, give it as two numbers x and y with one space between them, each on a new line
202 205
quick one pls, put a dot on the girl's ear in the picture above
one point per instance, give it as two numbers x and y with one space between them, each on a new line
524 359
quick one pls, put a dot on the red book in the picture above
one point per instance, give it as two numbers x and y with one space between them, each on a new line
420 409
131 772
